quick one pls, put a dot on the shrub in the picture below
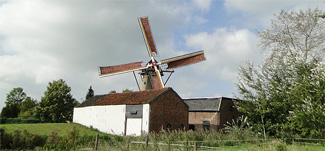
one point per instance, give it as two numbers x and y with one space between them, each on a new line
20 120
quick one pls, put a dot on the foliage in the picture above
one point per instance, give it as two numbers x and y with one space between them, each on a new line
15 97
57 103
127 90
284 96
27 108
112 91
18 105
295 34
239 128
70 140
20 120
90 93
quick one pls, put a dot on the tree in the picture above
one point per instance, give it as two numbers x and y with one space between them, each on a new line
127 90
13 101
112 91
57 103
27 107
90 93
296 34
16 96
288 86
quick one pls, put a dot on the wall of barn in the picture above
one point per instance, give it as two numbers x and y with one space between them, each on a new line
168 110
197 118
108 119
228 112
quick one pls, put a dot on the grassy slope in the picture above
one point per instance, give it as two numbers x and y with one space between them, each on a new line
47 128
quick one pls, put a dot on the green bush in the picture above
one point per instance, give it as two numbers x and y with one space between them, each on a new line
20 120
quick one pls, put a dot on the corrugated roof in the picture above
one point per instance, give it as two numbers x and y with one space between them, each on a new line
203 104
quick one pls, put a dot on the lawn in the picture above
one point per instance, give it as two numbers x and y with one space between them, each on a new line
47 128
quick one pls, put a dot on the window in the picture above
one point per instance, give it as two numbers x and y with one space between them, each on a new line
169 127
182 127
133 112
206 125
191 127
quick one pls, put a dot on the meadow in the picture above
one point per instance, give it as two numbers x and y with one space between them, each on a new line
70 136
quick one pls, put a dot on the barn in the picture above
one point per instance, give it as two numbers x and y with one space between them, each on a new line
133 113
211 113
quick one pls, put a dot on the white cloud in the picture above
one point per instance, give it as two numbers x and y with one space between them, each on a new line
203 5
225 49
259 12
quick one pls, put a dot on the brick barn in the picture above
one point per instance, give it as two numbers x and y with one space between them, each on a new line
211 113
133 113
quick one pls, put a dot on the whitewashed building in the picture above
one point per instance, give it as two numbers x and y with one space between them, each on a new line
133 113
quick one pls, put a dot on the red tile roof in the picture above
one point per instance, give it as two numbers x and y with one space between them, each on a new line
139 97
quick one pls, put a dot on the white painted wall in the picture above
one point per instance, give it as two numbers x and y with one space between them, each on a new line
145 118
133 126
108 119
111 119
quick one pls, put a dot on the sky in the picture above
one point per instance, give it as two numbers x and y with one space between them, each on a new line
42 41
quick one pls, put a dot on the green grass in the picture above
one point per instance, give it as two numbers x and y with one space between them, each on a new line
47 128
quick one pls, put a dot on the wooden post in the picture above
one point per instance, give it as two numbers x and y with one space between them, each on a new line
96 141
195 146
147 142
128 145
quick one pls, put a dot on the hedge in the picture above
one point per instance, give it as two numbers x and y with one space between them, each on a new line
19 120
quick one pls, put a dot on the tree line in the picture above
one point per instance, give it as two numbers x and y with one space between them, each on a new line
55 106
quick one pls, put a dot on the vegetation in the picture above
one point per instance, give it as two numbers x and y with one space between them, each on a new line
69 136
58 136
285 95
18 104
90 93
57 103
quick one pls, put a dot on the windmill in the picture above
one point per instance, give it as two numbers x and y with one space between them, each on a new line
152 71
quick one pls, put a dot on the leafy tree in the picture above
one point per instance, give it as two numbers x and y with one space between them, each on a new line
112 91
57 103
288 86
296 34
90 93
27 107
127 90
15 96
13 101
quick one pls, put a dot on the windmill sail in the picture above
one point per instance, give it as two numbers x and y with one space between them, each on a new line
118 69
184 60
146 30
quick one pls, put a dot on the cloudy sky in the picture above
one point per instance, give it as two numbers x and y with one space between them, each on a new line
42 41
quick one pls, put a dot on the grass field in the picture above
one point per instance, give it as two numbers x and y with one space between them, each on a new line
47 128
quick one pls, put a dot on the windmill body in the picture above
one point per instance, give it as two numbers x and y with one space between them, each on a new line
152 72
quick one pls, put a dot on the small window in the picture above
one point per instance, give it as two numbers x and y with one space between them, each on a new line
133 112
182 127
169 127
191 127
206 126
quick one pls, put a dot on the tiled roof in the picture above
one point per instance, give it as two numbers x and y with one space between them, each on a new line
91 100
203 104
139 97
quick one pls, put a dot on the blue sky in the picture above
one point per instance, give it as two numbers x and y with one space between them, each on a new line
42 41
